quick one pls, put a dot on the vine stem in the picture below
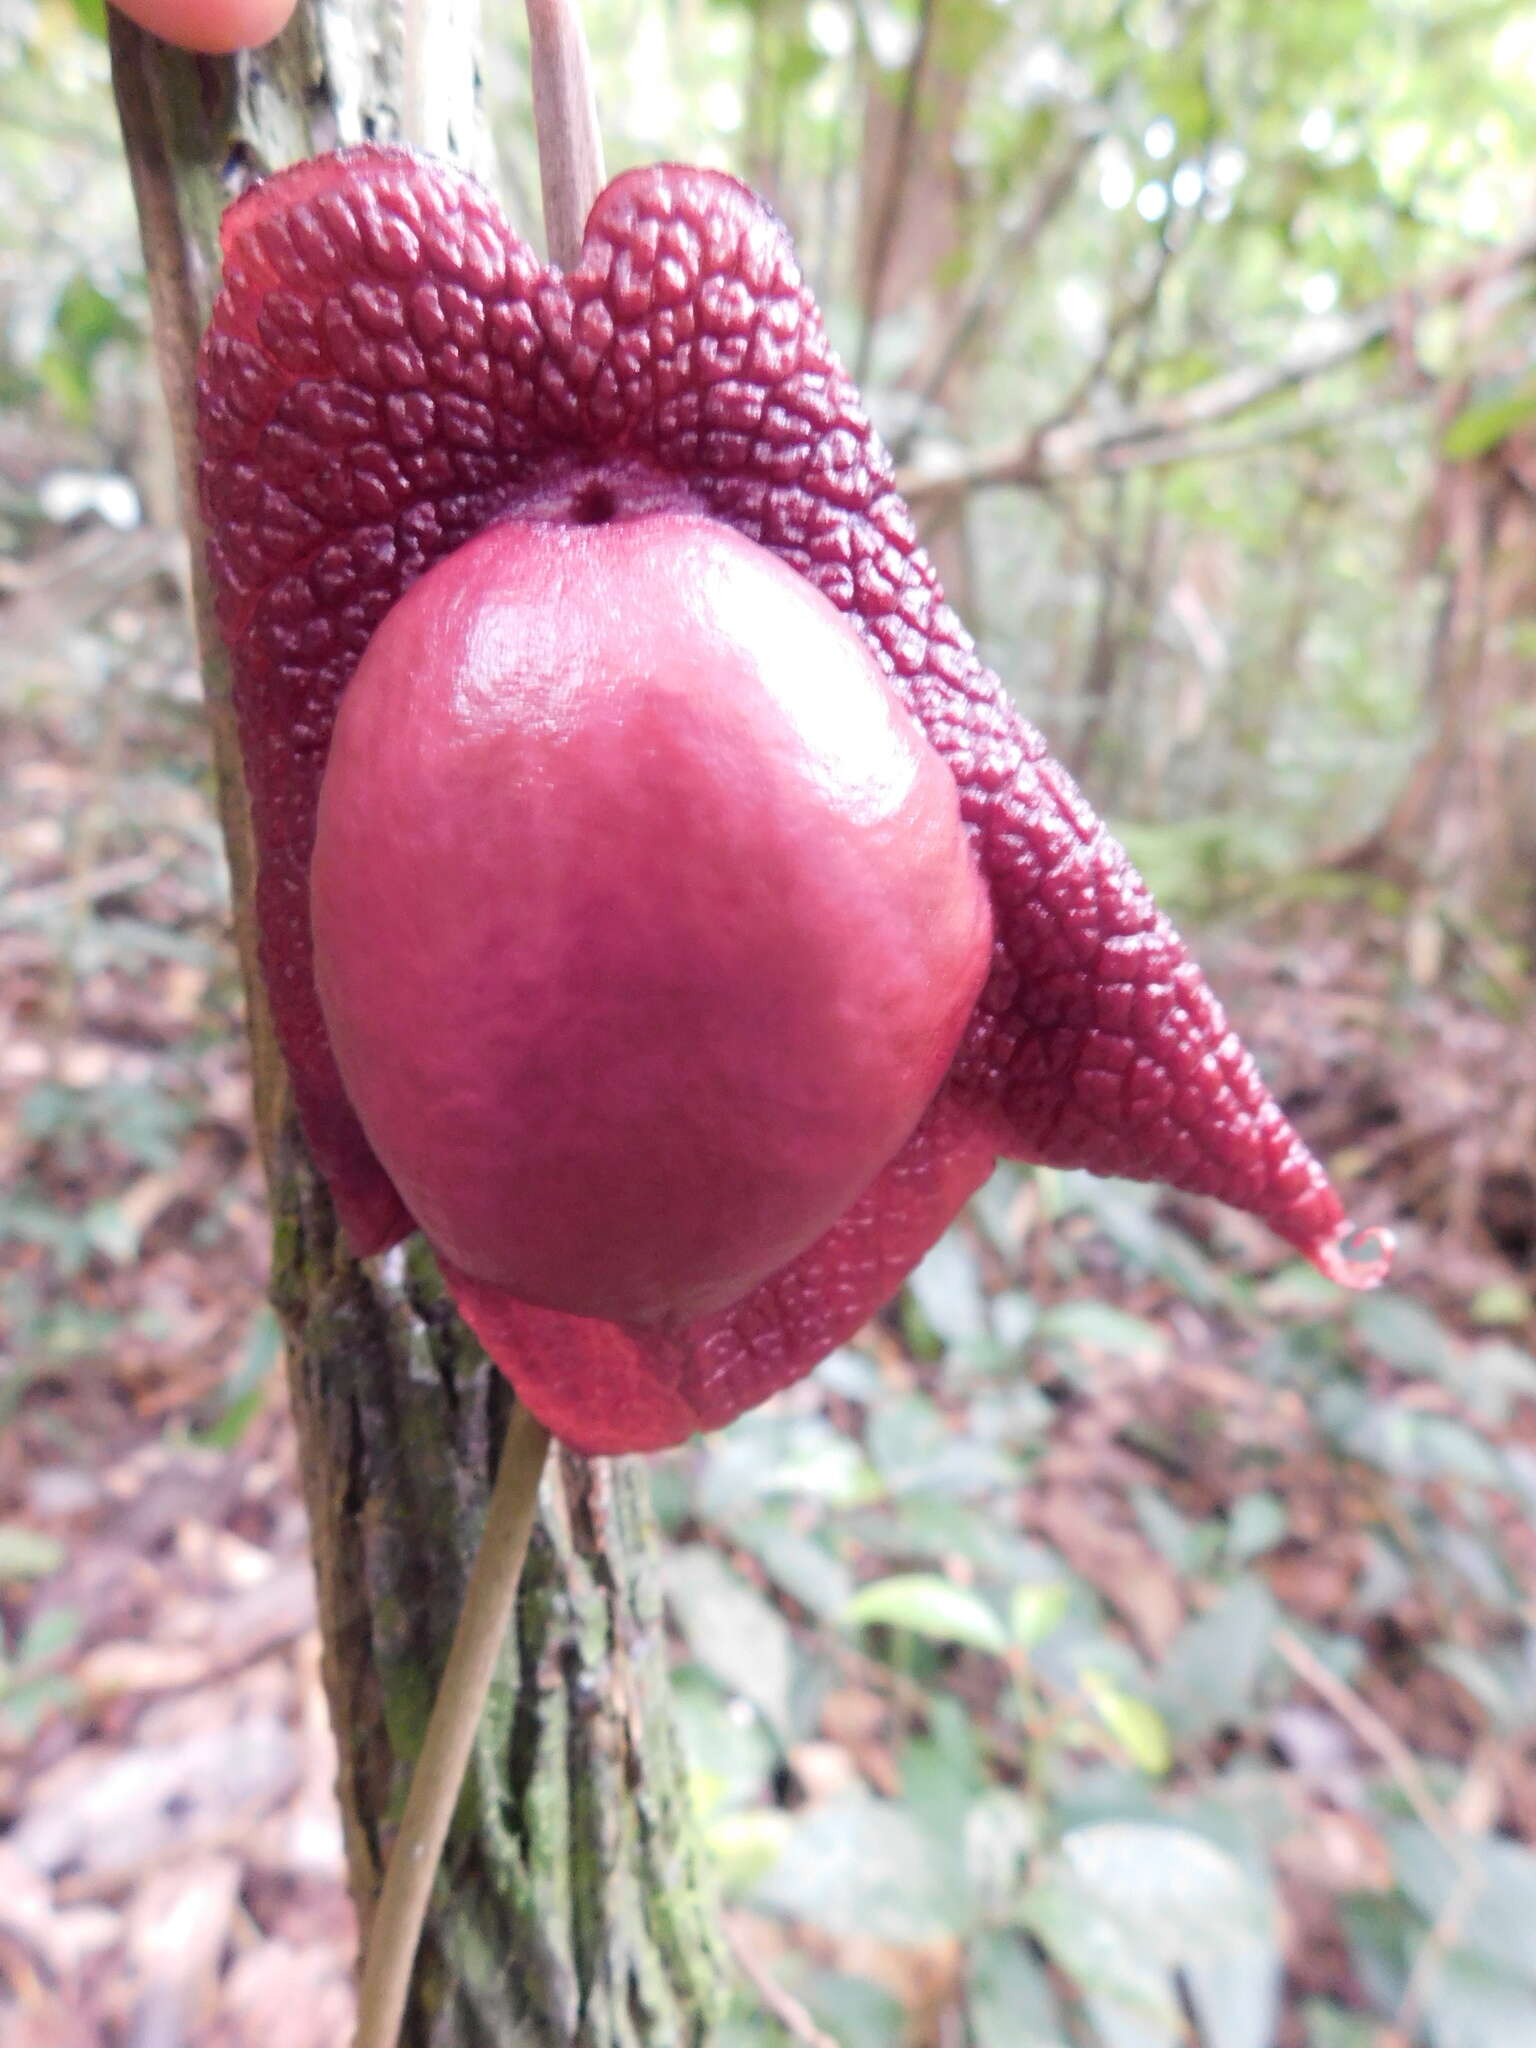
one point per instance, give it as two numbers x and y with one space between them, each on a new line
489 1600
565 121
571 176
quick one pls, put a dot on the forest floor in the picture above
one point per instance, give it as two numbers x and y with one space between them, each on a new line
1206 1436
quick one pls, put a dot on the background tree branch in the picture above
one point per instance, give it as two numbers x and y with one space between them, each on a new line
1167 430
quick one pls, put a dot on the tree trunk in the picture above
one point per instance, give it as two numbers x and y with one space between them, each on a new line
1460 837
569 1909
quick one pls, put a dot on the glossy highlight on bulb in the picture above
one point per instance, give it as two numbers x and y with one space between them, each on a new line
644 917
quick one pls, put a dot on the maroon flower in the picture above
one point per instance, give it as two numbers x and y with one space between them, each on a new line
388 373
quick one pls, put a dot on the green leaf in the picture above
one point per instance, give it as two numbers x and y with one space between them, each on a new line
800 1564
1126 1211
744 2026
918 1450
1137 1727
1174 1537
1415 1446
1236 1995
1097 1329
1174 1894
114 1231
1037 1611
927 1605
48 1635
1403 1333
1212 1668
746 1847
1501 1302
26 1703
1480 427
1384 1935
1472 2004
1257 1523
853 2011
86 319
1130 1994
1009 1999
1498 1927
943 1772
1002 1837
1495 1376
243 1395
863 1866
731 1756
1497 1679
947 1288
767 1456
1330 2026
731 1630
28 1553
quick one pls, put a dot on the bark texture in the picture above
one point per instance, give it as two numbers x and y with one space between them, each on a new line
570 1909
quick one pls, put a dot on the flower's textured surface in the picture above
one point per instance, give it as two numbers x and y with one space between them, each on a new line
388 370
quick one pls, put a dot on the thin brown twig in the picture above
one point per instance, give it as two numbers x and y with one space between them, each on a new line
1443 1936
1456 1840
1165 452
1478 1792
1382 1740
783 2005
489 1600
565 117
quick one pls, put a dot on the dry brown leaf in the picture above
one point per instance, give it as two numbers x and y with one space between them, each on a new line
1339 1852
176 1931
1115 1559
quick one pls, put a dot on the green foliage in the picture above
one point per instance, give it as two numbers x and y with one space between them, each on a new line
929 1606
732 1631
1100 1829
85 322
33 1682
1481 426
71 289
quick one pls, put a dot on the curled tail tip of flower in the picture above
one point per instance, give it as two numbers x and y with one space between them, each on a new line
1357 1258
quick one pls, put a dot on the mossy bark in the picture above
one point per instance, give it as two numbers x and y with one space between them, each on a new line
570 1909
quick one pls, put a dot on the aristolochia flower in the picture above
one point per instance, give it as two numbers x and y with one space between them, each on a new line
622 928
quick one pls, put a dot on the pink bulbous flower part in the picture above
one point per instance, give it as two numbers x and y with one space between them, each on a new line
388 371
646 925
